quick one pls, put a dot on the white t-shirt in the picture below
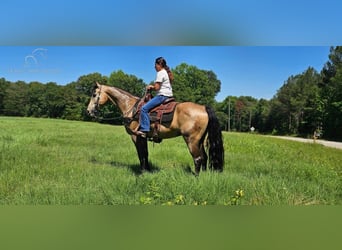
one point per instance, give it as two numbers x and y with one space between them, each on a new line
165 85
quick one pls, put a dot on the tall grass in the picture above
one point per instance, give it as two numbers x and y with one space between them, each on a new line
46 161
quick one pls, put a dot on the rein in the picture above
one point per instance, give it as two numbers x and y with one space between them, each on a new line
108 119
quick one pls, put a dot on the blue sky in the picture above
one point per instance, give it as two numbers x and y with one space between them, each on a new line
265 41
177 22
257 71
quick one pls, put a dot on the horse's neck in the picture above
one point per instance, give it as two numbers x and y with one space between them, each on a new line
122 99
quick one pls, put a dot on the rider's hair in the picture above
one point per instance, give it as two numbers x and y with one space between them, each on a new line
162 62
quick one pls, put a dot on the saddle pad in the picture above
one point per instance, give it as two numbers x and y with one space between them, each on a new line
163 113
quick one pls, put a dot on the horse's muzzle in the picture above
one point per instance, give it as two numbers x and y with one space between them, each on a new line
93 113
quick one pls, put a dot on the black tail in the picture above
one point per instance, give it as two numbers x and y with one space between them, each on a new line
216 150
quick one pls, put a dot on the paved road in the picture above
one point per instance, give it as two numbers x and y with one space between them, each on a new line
331 144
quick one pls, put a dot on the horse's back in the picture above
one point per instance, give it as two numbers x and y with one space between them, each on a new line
190 109
190 116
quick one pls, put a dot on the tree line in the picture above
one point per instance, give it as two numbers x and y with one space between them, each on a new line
305 102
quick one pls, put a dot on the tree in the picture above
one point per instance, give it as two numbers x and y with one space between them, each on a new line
16 99
244 111
260 120
277 118
311 109
36 99
330 68
54 100
129 83
73 103
45 100
3 86
295 108
237 113
221 109
331 94
195 85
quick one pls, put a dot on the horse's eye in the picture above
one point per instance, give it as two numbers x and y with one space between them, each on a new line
94 95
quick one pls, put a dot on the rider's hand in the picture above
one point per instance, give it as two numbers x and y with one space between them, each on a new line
150 87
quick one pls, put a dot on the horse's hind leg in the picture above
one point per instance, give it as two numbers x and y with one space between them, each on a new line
196 150
204 158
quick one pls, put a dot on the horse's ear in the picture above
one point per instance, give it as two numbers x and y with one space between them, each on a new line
98 85
95 86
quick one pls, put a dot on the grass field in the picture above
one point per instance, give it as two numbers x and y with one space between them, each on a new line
46 161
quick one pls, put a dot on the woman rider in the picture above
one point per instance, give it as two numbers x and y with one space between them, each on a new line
163 88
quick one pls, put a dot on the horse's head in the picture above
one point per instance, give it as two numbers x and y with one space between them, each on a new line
98 98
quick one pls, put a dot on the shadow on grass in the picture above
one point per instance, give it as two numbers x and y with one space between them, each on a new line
135 168
187 169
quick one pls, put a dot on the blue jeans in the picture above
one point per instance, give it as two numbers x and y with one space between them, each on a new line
144 117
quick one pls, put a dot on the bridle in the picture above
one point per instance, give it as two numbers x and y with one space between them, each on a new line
97 102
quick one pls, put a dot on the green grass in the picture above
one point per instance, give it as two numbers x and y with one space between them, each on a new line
46 161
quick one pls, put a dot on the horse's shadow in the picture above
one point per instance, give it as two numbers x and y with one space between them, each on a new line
187 169
135 168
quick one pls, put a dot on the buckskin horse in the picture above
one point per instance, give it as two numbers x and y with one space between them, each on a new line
196 123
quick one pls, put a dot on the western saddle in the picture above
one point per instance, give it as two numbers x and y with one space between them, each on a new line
162 114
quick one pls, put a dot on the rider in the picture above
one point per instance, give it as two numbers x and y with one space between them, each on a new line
163 88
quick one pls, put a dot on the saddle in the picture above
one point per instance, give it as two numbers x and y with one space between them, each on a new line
160 115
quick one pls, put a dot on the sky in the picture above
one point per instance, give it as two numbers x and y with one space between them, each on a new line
177 22
257 71
252 46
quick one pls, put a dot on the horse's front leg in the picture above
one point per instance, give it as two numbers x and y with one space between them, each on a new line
142 150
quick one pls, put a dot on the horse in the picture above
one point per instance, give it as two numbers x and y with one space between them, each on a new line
197 123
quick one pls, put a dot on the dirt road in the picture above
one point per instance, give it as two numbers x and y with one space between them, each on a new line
331 144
